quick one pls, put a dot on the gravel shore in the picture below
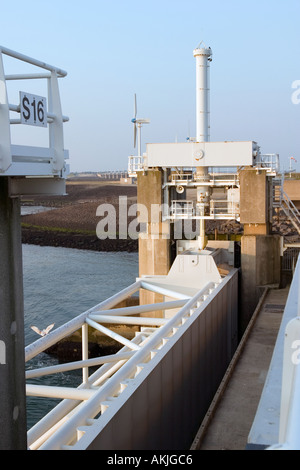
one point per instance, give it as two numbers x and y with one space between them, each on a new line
73 219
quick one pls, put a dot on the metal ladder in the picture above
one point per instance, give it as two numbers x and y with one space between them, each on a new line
282 201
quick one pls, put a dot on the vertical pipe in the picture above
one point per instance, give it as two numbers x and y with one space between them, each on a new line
85 352
12 361
5 155
203 57
56 136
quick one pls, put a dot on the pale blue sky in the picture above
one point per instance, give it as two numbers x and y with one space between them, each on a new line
113 49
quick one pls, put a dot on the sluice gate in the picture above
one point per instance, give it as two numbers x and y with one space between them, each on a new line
155 391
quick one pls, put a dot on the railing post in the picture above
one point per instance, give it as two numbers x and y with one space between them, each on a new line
85 352
56 139
5 150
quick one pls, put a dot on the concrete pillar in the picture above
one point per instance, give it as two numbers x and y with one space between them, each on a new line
255 202
154 242
260 250
260 266
12 357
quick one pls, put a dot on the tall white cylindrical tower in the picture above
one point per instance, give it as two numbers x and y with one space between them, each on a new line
203 57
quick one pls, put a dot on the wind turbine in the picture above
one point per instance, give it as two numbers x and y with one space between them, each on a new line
137 127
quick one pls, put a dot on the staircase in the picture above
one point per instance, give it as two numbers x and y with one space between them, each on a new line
282 201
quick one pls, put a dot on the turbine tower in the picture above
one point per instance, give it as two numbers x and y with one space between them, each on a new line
137 127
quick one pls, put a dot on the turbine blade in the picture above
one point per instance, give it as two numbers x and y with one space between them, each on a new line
135 106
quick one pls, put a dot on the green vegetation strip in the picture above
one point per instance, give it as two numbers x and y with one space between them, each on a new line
58 229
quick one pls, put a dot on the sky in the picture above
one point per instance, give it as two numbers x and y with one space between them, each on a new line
115 49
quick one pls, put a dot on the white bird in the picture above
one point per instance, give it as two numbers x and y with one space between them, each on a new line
43 332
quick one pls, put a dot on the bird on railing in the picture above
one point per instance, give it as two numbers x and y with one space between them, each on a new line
42 332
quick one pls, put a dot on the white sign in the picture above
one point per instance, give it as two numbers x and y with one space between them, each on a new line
33 109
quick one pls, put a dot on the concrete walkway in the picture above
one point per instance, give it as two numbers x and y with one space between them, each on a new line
229 420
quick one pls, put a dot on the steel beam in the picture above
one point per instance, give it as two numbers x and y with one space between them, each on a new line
12 363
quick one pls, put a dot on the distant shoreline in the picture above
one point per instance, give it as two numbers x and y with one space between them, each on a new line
76 240
73 222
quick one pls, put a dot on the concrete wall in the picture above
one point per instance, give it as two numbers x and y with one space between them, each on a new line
260 266
155 243
12 369
260 251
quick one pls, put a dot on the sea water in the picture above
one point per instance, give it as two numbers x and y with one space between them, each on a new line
59 284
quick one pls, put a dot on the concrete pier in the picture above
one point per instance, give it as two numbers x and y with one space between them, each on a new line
12 366
260 249
154 243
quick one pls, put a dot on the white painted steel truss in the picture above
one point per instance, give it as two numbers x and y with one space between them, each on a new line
84 407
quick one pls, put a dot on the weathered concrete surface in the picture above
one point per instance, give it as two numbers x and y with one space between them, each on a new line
232 418
253 197
12 360
154 243
260 267
260 251
292 188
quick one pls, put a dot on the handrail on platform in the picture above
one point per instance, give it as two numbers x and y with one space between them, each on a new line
35 111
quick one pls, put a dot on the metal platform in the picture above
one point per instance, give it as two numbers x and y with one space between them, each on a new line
32 169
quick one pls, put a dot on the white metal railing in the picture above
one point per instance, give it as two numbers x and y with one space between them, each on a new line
179 178
182 209
216 177
224 179
19 160
62 426
224 208
135 164
218 209
269 162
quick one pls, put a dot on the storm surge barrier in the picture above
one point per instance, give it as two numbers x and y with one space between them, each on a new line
154 392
